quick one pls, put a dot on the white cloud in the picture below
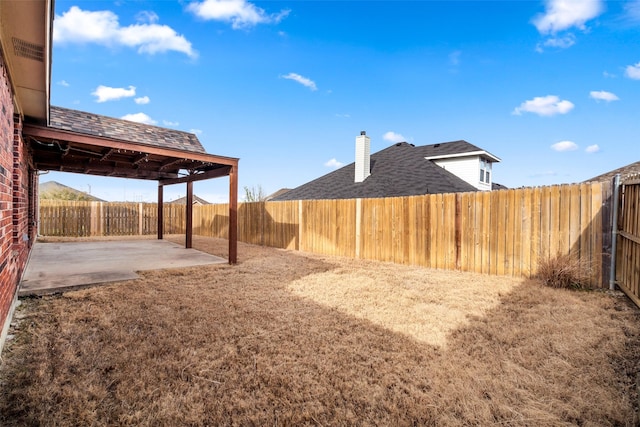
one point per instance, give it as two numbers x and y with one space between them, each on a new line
565 146
139 118
549 105
106 93
592 149
142 100
393 137
563 42
333 163
196 131
147 17
344 116
561 15
63 83
168 123
608 75
102 27
602 95
633 71
302 80
240 13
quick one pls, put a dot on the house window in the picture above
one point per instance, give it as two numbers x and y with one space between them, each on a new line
485 174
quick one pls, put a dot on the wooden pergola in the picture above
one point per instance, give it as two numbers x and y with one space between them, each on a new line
86 143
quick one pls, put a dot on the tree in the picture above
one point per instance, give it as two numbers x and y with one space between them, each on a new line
254 194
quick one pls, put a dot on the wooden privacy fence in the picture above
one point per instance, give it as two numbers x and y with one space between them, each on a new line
86 219
628 249
503 232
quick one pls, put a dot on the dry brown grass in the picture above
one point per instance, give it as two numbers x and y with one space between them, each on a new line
565 271
285 338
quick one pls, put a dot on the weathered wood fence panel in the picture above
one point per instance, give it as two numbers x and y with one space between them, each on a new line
66 218
628 250
211 221
503 232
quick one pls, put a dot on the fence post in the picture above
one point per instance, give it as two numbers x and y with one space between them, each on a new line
606 220
95 210
300 225
358 225
140 219
458 229
614 231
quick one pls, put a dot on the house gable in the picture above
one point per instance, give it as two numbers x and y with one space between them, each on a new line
465 160
398 170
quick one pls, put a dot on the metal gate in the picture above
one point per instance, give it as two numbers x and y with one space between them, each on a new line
628 238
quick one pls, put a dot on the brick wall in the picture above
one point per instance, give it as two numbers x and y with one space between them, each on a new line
17 201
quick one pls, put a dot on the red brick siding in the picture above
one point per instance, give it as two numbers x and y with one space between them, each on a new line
17 199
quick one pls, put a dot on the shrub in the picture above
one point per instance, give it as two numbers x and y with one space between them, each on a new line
565 271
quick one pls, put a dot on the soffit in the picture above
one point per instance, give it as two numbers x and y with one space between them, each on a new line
25 29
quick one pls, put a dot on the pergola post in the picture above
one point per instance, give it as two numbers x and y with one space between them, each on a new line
189 216
233 215
160 211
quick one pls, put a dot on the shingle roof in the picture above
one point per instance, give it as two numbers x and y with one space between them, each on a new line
629 169
277 194
399 170
196 199
109 127
447 148
497 186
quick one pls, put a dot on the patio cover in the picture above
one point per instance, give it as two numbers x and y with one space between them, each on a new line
87 143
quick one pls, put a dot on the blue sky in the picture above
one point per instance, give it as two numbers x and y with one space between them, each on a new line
550 87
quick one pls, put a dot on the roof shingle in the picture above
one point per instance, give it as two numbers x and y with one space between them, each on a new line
630 169
109 127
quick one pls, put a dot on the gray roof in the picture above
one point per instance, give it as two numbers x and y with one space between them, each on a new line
453 148
630 169
278 193
399 170
497 186
124 130
196 200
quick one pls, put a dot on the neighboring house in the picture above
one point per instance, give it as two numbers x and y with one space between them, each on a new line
274 196
197 201
403 170
496 186
35 137
630 169
52 190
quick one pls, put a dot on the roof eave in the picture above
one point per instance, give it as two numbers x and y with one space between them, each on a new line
26 37
481 153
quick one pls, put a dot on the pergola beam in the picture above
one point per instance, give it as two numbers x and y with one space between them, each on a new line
214 173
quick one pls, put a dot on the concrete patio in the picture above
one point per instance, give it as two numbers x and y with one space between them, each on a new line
57 267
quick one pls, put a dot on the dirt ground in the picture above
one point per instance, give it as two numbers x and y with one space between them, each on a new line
287 338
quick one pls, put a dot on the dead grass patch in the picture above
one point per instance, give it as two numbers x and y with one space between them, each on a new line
264 343
565 271
424 305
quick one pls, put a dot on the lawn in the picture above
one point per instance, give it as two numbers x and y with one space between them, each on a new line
287 338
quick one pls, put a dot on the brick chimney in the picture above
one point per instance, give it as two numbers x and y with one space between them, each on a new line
363 157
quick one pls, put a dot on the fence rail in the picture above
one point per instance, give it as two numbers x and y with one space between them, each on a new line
503 232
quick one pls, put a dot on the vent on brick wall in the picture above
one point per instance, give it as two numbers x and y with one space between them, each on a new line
28 50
